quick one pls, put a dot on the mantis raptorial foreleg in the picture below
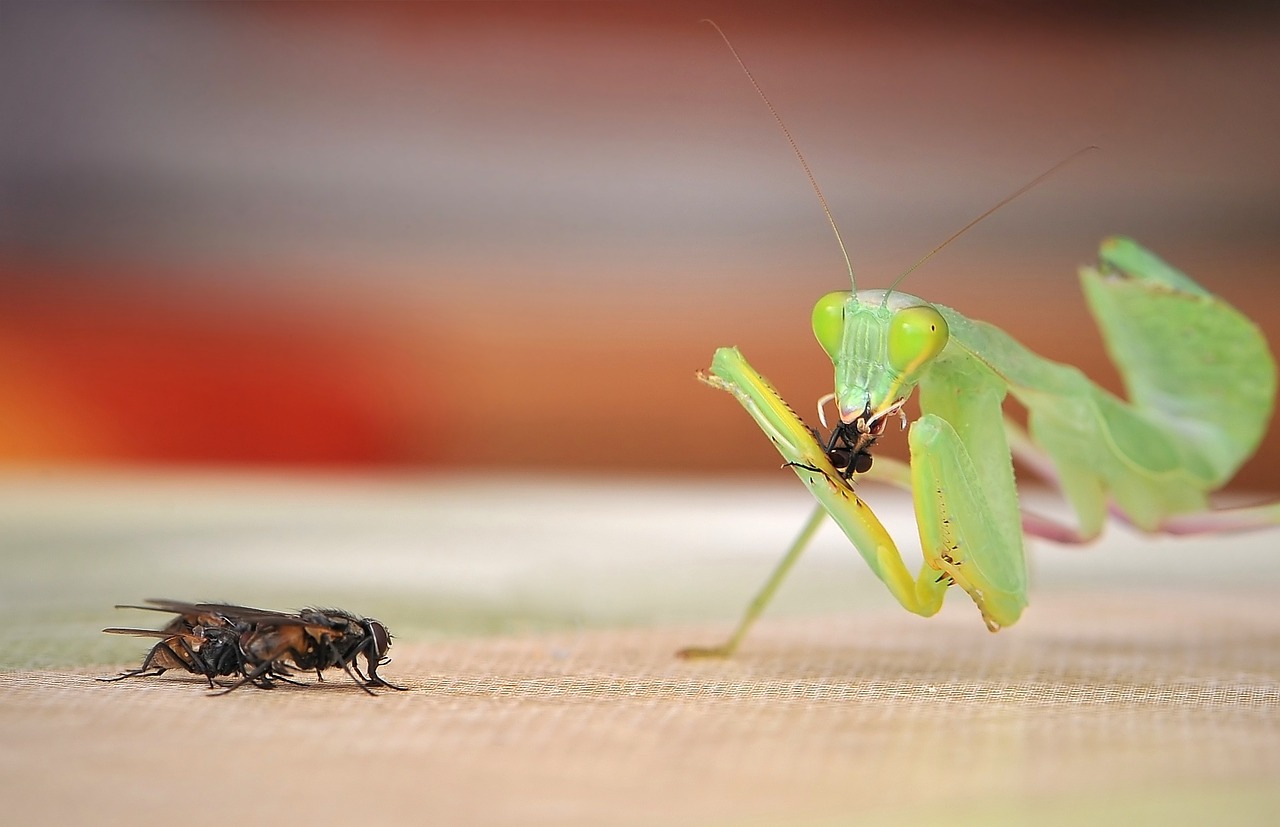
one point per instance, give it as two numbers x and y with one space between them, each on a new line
954 508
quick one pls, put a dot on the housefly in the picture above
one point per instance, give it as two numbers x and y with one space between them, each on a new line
199 642
268 644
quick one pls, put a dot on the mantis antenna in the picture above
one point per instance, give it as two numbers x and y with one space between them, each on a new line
813 182
1021 190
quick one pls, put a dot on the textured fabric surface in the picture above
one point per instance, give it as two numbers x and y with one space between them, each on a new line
536 622
1115 708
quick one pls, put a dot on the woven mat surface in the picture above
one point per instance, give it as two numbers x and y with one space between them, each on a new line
1112 701
1124 708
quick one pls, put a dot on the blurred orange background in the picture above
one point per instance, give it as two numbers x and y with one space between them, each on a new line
504 236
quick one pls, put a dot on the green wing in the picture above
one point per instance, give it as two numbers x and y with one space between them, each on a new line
1200 379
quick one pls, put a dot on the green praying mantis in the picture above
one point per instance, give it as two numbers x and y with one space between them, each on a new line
1200 384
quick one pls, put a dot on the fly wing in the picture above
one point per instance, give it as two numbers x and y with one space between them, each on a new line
157 633
172 606
245 613
164 604
188 615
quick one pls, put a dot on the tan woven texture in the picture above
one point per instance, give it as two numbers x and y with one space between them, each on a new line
1110 703
1099 707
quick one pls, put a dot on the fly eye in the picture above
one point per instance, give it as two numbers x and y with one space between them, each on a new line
828 321
916 335
381 638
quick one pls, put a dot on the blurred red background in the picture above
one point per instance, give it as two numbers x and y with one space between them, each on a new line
505 236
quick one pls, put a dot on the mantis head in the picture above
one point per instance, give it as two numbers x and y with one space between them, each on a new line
881 345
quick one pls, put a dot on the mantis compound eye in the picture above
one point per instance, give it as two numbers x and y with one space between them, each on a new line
916 335
828 321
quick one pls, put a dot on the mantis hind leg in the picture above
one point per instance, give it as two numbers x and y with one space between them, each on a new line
1208 521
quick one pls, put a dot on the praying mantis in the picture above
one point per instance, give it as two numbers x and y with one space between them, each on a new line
1200 384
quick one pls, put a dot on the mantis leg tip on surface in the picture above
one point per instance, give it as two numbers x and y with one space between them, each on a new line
706 652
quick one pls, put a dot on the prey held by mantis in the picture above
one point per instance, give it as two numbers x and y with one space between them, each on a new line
1200 387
